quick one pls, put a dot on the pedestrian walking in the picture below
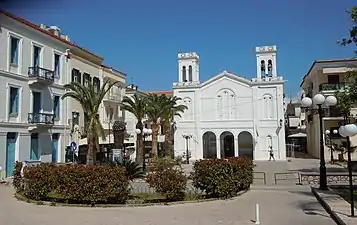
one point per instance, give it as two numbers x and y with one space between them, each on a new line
271 153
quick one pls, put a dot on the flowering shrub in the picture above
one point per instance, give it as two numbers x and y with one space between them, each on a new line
76 183
223 177
17 181
168 179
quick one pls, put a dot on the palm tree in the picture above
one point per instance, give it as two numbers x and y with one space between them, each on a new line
90 99
154 111
137 106
170 110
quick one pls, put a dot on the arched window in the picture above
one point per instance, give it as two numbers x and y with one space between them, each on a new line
269 142
226 109
270 67
184 78
268 107
188 114
262 68
190 73
209 145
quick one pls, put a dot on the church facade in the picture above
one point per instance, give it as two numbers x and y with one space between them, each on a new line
229 115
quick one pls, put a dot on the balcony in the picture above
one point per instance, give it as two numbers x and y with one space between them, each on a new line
332 87
41 118
112 98
40 76
332 112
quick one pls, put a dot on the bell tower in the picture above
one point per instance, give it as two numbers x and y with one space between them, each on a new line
266 61
188 67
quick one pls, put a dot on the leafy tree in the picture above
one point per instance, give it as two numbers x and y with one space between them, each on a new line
90 99
344 103
352 37
137 105
172 108
154 110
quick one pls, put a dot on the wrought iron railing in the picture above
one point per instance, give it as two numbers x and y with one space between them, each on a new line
114 97
41 118
332 87
41 73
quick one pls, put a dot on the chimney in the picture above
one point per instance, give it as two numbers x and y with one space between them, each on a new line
55 30
43 26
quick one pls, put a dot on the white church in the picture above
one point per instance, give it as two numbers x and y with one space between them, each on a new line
229 115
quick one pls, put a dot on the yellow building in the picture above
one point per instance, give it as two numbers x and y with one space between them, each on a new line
326 77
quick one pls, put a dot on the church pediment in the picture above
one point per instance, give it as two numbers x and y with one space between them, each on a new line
228 75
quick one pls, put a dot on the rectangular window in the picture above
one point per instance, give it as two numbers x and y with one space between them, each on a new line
56 107
333 79
14 101
14 51
36 56
75 118
86 79
96 84
57 70
76 76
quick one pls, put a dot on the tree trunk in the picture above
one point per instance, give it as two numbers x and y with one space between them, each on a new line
139 158
167 143
91 149
155 129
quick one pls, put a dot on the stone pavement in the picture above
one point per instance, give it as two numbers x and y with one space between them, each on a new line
278 207
336 205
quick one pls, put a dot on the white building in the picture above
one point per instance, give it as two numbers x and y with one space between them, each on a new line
33 68
229 115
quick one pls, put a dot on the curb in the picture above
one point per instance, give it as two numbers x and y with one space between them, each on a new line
328 209
54 204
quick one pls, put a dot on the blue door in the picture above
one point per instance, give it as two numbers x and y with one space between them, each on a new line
34 147
55 138
10 153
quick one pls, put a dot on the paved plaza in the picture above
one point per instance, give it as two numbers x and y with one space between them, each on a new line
295 206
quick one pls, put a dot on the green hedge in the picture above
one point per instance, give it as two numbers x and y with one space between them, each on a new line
76 183
223 177
168 179
17 181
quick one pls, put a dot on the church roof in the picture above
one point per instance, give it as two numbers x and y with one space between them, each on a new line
229 75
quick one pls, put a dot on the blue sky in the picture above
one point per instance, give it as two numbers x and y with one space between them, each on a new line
142 38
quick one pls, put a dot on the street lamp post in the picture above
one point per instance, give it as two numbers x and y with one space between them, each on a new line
319 100
145 133
187 138
348 131
329 136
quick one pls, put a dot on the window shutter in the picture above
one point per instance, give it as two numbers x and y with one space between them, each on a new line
58 107
79 77
16 102
73 74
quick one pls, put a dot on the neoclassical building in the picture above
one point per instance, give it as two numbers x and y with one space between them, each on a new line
229 115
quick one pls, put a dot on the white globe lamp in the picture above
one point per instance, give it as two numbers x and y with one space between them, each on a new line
145 130
327 132
341 130
335 131
149 131
350 130
306 102
319 99
331 100
138 131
